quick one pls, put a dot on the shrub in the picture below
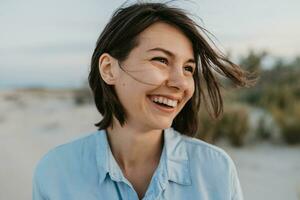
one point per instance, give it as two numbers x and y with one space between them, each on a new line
289 122
209 128
234 125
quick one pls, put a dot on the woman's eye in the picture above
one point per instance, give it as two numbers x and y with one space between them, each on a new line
190 68
161 59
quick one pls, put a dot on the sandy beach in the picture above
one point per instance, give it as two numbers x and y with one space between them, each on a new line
34 121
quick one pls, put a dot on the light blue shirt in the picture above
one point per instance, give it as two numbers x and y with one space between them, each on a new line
85 169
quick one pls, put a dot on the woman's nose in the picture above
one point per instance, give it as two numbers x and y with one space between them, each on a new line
177 79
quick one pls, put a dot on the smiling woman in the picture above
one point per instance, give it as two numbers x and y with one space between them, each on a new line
157 66
150 69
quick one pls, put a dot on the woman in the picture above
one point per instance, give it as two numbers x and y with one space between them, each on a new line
150 69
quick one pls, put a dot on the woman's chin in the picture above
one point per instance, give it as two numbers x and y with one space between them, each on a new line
161 124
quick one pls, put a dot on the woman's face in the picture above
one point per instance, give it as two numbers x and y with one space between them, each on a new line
160 69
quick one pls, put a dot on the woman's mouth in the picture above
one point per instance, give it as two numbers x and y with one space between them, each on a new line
163 104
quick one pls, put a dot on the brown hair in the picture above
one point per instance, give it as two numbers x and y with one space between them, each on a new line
120 36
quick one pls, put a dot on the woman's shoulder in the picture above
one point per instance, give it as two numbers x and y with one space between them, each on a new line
199 151
67 155
72 146
206 165
63 164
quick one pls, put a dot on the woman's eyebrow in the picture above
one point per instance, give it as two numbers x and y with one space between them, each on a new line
169 53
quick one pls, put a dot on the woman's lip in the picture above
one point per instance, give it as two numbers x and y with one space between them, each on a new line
166 110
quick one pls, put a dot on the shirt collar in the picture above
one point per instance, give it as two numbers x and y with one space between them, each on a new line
177 157
174 160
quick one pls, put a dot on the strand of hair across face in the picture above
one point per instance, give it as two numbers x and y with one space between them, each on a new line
135 77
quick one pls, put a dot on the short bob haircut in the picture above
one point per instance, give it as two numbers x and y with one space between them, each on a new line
121 35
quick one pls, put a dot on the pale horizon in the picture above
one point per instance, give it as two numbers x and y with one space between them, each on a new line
50 43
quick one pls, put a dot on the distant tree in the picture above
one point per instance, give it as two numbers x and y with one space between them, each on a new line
296 62
253 61
279 64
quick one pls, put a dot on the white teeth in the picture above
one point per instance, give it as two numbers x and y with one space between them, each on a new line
169 102
160 100
165 101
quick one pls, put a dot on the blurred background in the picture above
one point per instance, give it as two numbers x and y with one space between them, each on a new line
45 50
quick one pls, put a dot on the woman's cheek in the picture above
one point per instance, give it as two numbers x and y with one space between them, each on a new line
154 76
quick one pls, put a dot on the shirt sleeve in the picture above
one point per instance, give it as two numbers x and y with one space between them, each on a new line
237 193
36 189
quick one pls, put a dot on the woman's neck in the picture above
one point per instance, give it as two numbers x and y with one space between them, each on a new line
132 147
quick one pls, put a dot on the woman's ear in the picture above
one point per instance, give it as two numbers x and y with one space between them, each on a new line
108 68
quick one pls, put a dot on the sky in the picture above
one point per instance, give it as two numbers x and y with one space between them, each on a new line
50 43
